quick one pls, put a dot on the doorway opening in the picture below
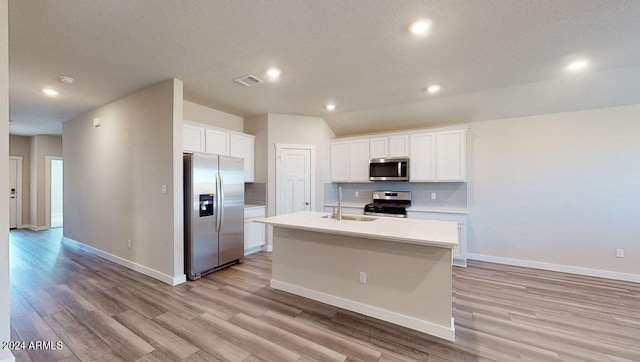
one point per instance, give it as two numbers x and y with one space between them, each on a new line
54 194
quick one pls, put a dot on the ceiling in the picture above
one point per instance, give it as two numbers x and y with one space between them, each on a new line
494 59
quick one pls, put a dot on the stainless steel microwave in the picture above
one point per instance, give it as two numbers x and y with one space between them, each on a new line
389 169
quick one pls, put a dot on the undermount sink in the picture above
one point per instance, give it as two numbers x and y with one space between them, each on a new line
350 217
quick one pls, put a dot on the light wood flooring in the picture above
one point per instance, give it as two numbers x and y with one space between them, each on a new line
102 311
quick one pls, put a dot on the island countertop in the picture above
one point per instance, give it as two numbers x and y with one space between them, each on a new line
412 231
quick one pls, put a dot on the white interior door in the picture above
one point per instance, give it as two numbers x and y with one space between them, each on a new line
294 180
13 193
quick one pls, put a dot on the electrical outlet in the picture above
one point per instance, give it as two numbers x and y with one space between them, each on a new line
619 253
433 196
357 193
129 244
363 277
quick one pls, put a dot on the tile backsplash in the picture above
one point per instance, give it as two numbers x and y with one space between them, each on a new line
448 194
255 193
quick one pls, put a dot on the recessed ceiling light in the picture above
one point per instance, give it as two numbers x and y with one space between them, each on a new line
330 107
66 80
578 65
50 92
274 73
434 88
421 26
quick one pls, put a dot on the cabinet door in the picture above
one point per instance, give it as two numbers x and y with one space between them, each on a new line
242 146
192 138
340 161
398 146
359 160
451 155
422 166
217 142
378 147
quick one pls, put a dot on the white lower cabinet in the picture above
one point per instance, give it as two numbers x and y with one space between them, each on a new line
253 231
459 253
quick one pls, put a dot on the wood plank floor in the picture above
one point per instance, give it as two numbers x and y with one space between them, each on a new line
101 311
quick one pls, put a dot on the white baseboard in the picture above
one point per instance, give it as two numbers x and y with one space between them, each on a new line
24 226
255 249
38 228
462 262
557 267
127 263
6 356
268 248
439 331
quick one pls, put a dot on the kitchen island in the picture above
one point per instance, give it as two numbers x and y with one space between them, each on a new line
396 270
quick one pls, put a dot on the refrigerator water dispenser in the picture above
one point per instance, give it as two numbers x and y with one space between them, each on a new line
206 205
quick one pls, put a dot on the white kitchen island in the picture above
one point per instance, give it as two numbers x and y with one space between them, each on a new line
406 265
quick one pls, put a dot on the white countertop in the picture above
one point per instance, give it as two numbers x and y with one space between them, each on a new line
423 232
248 206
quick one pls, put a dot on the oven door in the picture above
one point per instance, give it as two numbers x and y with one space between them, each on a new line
389 169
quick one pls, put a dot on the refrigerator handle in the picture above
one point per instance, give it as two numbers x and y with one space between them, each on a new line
221 200
218 202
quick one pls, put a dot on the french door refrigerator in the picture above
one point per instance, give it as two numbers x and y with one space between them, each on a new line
213 213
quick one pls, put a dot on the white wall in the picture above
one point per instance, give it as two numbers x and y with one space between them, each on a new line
201 114
113 176
560 189
5 334
41 146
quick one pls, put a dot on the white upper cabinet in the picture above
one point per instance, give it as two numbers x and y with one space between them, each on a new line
192 138
438 156
216 142
340 161
359 160
242 146
422 159
379 147
350 161
435 155
197 137
393 146
399 146
451 155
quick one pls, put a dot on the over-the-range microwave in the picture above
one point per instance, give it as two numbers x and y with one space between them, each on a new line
389 169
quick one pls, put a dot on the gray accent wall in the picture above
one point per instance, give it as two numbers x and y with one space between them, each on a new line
113 176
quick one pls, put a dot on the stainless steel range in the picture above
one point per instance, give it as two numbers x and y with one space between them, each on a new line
389 203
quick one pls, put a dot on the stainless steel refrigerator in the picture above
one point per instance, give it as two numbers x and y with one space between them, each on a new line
213 213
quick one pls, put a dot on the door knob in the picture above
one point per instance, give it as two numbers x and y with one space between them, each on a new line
306 203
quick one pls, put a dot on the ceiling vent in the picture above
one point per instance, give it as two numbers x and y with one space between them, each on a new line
249 80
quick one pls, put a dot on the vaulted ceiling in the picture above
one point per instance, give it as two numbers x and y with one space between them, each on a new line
493 59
